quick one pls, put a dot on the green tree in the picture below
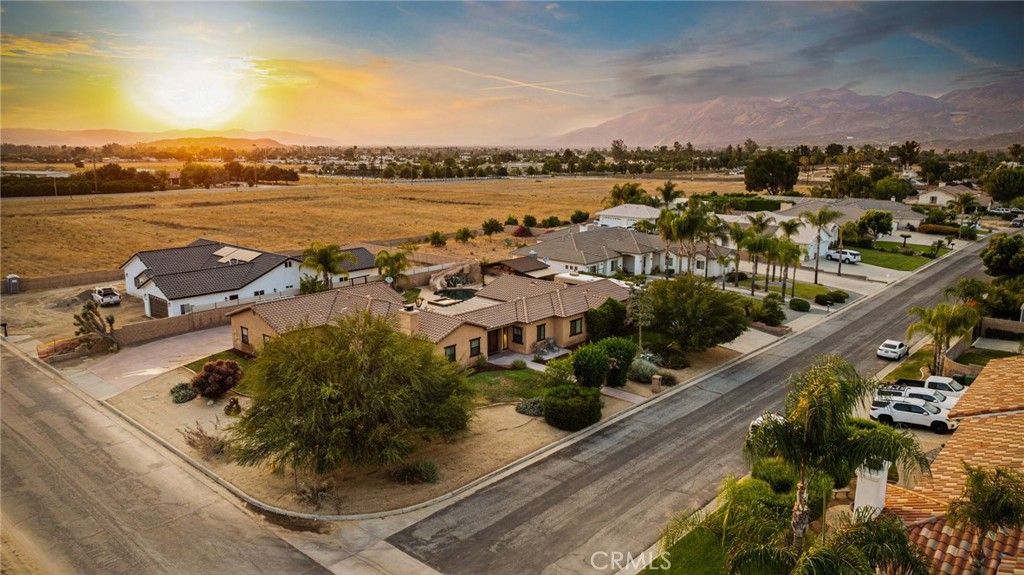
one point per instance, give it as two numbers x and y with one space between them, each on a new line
437 239
90 322
878 223
738 235
892 187
529 221
774 171
579 217
310 284
590 365
1005 184
819 220
327 260
627 193
1004 256
509 221
1014 150
962 203
621 353
933 169
393 265
942 323
668 193
908 153
359 392
695 314
991 500
966 291
464 235
493 226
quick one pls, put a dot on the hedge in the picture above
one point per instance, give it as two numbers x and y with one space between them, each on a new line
823 299
939 230
775 472
572 408
620 352
838 296
797 304
590 365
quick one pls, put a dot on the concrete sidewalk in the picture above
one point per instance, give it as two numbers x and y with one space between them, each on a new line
997 344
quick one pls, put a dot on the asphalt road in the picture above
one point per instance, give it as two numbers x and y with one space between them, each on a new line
83 494
614 490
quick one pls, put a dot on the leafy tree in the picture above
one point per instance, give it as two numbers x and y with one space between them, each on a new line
619 151
967 290
850 183
327 260
464 235
640 311
311 284
774 171
572 408
393 265
493 226
695 314
437 239
819 220
1005 184
91 322
529 221
1005 297
359 392
621 353
769 311
1004 256
908 153
645 227
943 323
590 365
879 172
558 372
627 193
991 500
962 203
1014 150
933 169
892 187
579 217
217 377
876 222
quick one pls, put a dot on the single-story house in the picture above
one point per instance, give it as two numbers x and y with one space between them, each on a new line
600 250
206 274
853 208
528 266
626 215
359 271
941 196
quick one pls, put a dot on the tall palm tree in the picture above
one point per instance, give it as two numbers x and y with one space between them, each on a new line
819 220
392 265
712 231
815 434
991 500
789 253
723 264
326 260
738 236
756 245
961 203
847 231
669 193
789 228
771 257
968 291
759 222
669 229
943 323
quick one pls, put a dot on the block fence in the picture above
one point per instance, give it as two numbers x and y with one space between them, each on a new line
149 330
69 280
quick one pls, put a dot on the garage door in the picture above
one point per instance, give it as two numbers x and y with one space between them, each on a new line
157 307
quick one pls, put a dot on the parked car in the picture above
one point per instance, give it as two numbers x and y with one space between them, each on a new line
946 385
106 296
1017 223
847 256
893 349
930 395
906 411
999 211
761 419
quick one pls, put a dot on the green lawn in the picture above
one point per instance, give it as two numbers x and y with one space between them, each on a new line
697 553
502 386
976 356
888 260
804 290
915 247
911 367
198 364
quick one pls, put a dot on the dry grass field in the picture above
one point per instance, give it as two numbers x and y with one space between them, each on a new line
51 236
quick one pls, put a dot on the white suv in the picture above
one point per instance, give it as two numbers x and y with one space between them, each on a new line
912 412
848 256
893 349
930 395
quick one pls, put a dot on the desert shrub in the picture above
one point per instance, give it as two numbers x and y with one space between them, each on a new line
519 364
572 407
522 232
838 296
769 310
590 365
511 220
775 472
209 444
233 408
621 352
797 304
937 229
183 392
422 471
551 222
318 495
491 226
481 361
464 235
642 370
668 379
534 407
822 299
437 239
559 372
529 221
217 377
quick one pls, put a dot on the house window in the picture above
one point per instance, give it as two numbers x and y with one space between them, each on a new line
232 297
449 353
258 292
266 339
517 334
474 347
186 308
141 278
615 265
700 264
289 287
576 326
245 335
933 199
288 263
542 331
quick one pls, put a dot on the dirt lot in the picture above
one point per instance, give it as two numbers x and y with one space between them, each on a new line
496 437
51 236
48 314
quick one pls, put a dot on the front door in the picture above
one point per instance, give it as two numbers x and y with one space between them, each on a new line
493 341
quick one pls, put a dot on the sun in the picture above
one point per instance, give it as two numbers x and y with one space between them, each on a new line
198 93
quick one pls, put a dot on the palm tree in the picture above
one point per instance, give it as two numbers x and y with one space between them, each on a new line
819 219
684 228
771 256
723 264
712 230
815 434
961 203
669 193
757 246
943 323
968 291
991 500
738 236
392 265
789 228
326 260
759 222
789 252
847 231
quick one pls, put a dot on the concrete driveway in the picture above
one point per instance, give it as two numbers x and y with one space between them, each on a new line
133 365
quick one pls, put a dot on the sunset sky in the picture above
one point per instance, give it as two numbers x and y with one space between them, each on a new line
470 72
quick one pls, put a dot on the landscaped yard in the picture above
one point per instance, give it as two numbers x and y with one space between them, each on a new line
697 553
977 356
911 367
510 385
804 290
915 247
890 260
197 365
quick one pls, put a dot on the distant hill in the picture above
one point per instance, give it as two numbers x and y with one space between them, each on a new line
34 137
215 142
818 117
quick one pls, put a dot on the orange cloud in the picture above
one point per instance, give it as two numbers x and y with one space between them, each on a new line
47 45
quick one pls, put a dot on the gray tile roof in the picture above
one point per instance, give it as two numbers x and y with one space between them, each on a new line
595 244
523 265
364 260
508 288
564 302
194 270
852 208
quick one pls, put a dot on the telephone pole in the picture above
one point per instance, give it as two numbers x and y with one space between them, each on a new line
95 177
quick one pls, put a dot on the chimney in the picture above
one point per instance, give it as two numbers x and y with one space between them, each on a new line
409 320
871 489
583 227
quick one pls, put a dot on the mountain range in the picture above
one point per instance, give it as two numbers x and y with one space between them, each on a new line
976 114
239 139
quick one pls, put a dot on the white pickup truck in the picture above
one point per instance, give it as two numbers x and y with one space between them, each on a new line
106 296
848 256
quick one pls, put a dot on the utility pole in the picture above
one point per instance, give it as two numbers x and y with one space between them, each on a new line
95 177
255 178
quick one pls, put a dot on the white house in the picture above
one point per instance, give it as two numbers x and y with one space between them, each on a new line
206 274
626 215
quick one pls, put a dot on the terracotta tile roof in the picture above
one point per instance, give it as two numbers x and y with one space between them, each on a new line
948 549
326 307
999 388
523 265
436 326
560 302
508 288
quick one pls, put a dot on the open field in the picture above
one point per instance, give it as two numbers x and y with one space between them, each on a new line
46 236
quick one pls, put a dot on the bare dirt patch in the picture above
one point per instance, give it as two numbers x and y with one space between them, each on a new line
496 437
47 315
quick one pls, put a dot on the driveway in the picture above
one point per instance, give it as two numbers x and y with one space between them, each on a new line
133 365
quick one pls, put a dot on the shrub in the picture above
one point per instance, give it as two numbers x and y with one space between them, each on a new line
464 235
642 370
184 392
797 304
621 352
579 216
534 407
651 357
209 444
937 229
317 495
529 221
559 372
217 377
775 472
538 357
822 299
519 364
607 320
522 232
968 233
437 239
572 408
737 276
422 471
668 379
551 222
769 310
590 365
492 226
838 296
481 361
511 220
233 408
907 252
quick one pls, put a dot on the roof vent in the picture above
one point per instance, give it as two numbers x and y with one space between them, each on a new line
533 254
